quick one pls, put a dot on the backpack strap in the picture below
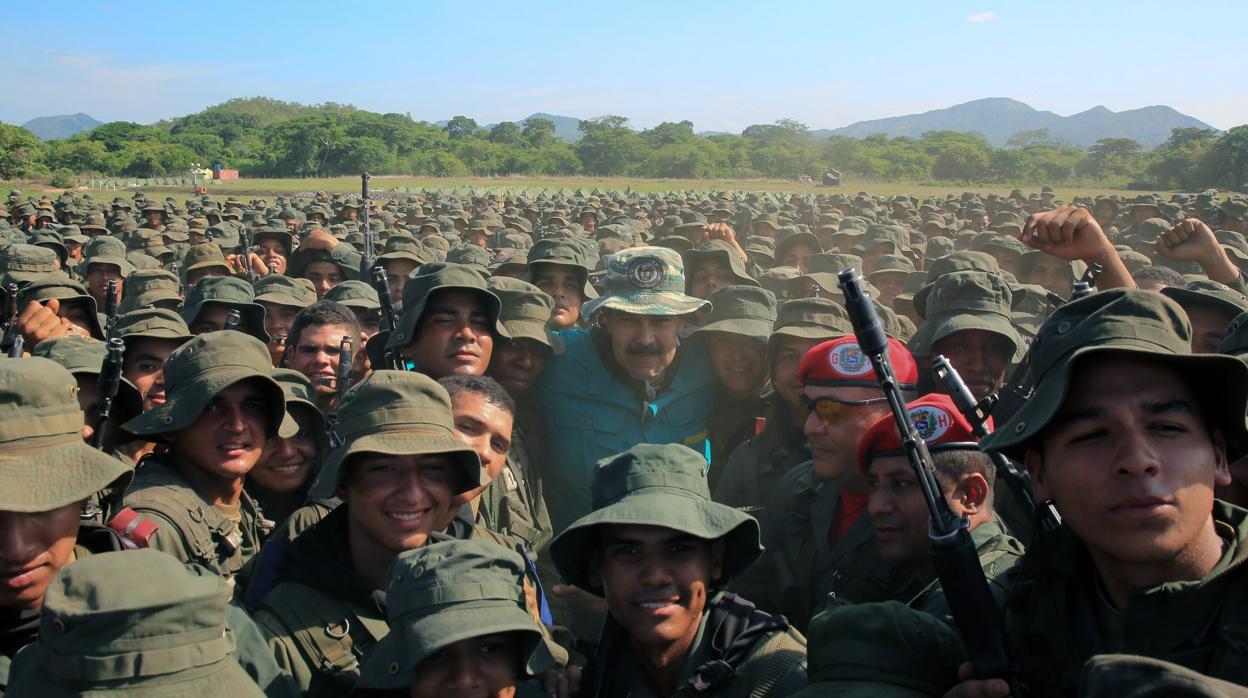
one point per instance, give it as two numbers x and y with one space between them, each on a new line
328 632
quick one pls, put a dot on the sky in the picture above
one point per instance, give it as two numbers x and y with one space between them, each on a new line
722 65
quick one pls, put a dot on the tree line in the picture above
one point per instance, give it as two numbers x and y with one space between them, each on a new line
269 138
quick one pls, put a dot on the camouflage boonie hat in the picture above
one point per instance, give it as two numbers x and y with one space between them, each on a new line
881 649
656 485
966 300
285 290
44 463
426 281
199 370
161 633
154 287
1124 322
645 281
526 311
748 311
397 413
443 593
229 291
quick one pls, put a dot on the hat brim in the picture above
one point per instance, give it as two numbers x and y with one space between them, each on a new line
1217 378
535 331
400 443
186 405
747 327
938 327
394 662
697 517
645 303
1185 297
69 471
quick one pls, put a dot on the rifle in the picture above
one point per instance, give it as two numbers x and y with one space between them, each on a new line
346 356
110 308
1018 388
109 381
15 349
232 320
12 332
977 413
244 243
370 252
953 553
381 284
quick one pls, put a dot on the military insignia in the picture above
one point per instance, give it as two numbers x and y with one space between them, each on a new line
646 272
930 422
849 360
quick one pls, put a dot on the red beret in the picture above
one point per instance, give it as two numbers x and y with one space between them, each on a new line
839 363
935 418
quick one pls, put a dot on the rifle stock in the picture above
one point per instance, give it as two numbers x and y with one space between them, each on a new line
107 385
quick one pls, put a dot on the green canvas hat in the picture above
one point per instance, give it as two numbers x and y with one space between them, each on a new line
443 593
399 247
427 280
26 263
344 256
279 289
229 291
44 463
525 311
152 323
161 633
880 649
354 294
833 262
65 290
1132 323
742 310
472 256
203 256
1206 292
966 300
891 263
106 250
724 253
810 318
150 287
83 356
655 485
397 413
1235 342
645 281
199 370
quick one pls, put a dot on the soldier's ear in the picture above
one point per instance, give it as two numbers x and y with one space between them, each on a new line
1221 468
1033 461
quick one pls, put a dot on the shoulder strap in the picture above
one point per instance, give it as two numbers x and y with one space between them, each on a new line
735 628
210 537
326 630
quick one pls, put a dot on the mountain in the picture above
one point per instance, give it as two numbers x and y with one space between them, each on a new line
999 118
49 128
567 128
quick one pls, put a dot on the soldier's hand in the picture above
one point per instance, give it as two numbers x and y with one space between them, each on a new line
530 600
723 231
257 264
976 688
1189 240
39 322
1069 232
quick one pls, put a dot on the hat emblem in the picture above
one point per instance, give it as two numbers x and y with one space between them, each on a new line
848 359
930 422
646 272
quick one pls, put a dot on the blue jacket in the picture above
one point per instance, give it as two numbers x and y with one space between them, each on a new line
590 413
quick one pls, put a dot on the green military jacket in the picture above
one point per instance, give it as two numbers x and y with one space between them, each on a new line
188 526
512 505
999 555
775 664
1057 617
730 424
799 567
758 464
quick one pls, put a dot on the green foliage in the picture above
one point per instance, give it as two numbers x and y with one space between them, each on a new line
63 179
270 138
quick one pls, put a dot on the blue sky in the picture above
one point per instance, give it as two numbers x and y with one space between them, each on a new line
723 65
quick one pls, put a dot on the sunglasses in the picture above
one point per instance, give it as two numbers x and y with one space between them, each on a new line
833 411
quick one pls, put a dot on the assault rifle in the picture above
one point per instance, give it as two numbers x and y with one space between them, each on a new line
244 244
369 256
110 308
106 386
381 284
953 553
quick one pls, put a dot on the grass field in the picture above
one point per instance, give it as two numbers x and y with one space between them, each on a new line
273 187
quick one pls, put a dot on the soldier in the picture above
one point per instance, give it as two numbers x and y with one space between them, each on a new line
280 481
660 552
817 538
483 414
363 302
559 268
105 261
150 335
210 300
1128 433
314 348
482 641
282 298
222 410
399 474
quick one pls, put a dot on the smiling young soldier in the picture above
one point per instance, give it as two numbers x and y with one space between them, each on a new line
398 473
558 267
314 347
282 298
818 539
221 411
659 552
1128 433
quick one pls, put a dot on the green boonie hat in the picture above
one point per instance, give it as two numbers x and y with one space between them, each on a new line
1210 293
156 287
202 256
833 262
427 280
966 300
344 256
199 370
880 649
473 256
1135 676
397 413
152 323
742 310
645 281
44 463
26 263
162 633
354 294
285 290
301 398
525 311
229 291
810 318
65 290
399 247
1234 208
724 253
1235 342
443 593
656 485
1125 322
106 250
83 356
891 263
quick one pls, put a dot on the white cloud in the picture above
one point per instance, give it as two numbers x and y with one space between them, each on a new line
982 17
